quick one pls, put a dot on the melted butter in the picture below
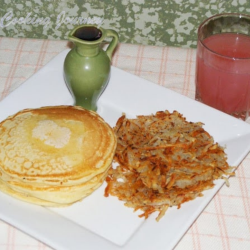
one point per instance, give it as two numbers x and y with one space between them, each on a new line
51 133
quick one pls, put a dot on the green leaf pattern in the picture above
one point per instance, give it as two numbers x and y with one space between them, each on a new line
147 22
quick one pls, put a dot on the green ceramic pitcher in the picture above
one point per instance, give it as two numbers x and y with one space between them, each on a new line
87 65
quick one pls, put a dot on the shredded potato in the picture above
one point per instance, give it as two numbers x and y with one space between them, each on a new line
163 161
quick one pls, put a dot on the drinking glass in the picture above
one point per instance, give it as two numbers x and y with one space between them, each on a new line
223 64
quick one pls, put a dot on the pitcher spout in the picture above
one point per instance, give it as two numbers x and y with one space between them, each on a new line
87 40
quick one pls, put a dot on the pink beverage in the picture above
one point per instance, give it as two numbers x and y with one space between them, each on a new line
223 73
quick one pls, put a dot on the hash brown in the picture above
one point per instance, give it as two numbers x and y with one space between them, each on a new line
163 161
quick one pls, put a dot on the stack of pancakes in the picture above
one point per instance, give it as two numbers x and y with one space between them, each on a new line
54 156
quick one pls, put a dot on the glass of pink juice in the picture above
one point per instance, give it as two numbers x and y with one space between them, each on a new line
223 64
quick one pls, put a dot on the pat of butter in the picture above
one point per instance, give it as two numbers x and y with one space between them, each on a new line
51 133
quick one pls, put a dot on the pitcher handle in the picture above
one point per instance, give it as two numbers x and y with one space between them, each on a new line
113 43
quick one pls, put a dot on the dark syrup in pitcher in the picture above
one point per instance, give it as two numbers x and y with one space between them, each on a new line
88 33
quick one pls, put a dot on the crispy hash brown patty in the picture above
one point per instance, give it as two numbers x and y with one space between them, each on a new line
163 161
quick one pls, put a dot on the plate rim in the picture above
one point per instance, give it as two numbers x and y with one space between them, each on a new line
9 218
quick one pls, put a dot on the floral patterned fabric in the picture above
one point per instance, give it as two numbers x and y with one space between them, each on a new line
148 22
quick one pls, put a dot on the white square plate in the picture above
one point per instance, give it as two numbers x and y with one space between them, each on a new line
105 223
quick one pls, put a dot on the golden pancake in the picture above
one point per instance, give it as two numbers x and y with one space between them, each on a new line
34 200
54 155
60 194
